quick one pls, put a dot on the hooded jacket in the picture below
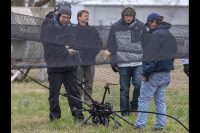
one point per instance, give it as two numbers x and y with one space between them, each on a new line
126 42
160 50
56 55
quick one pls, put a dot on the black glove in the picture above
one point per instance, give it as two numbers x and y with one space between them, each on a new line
186 69
114 68
50 15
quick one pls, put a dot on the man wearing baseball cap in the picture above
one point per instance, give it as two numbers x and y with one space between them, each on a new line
157 65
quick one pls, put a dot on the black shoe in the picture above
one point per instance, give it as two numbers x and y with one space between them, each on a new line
139 127
78 120
52 118
158 128
125 116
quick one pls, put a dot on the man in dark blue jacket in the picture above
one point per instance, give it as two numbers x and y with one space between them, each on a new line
59 67
158 62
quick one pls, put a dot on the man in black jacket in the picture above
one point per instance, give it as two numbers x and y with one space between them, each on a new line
158 62
59 68
89 44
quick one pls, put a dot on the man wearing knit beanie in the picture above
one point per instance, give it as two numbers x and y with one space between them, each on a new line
128 12
54 13
125 43
64 15
65 10
59 66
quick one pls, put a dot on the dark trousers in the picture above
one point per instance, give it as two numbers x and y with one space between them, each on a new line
126 73
69 79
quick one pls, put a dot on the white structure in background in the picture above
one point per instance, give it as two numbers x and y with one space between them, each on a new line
105 12
23 47
19 45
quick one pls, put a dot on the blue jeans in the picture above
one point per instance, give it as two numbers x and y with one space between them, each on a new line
156 86
126 73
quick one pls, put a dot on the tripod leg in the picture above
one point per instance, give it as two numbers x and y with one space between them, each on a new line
80 110
115 122
86 120
80 85
106 121
75 98
123 119
104 95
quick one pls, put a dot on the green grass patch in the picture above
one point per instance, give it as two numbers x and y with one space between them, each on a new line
30 109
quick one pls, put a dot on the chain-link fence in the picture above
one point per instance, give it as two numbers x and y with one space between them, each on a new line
27 55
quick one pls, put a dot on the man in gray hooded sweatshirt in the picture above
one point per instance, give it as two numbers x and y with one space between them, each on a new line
126 40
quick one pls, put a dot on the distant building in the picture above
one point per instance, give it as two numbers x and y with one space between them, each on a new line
105 12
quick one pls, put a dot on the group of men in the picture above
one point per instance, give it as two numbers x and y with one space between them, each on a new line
142 57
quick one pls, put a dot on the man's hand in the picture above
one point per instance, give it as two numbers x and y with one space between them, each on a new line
72 52
106 55
142 77
50 15
114 68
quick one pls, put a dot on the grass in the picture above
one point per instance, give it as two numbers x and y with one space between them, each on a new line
29 112
30 108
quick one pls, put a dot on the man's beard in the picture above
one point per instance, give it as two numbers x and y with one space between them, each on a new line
65 23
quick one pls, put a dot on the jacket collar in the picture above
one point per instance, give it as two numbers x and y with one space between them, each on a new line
162 25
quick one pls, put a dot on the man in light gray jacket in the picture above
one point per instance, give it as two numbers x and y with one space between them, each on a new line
126 40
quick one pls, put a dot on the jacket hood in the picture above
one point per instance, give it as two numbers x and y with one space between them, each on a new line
122 15
130 8
162 25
